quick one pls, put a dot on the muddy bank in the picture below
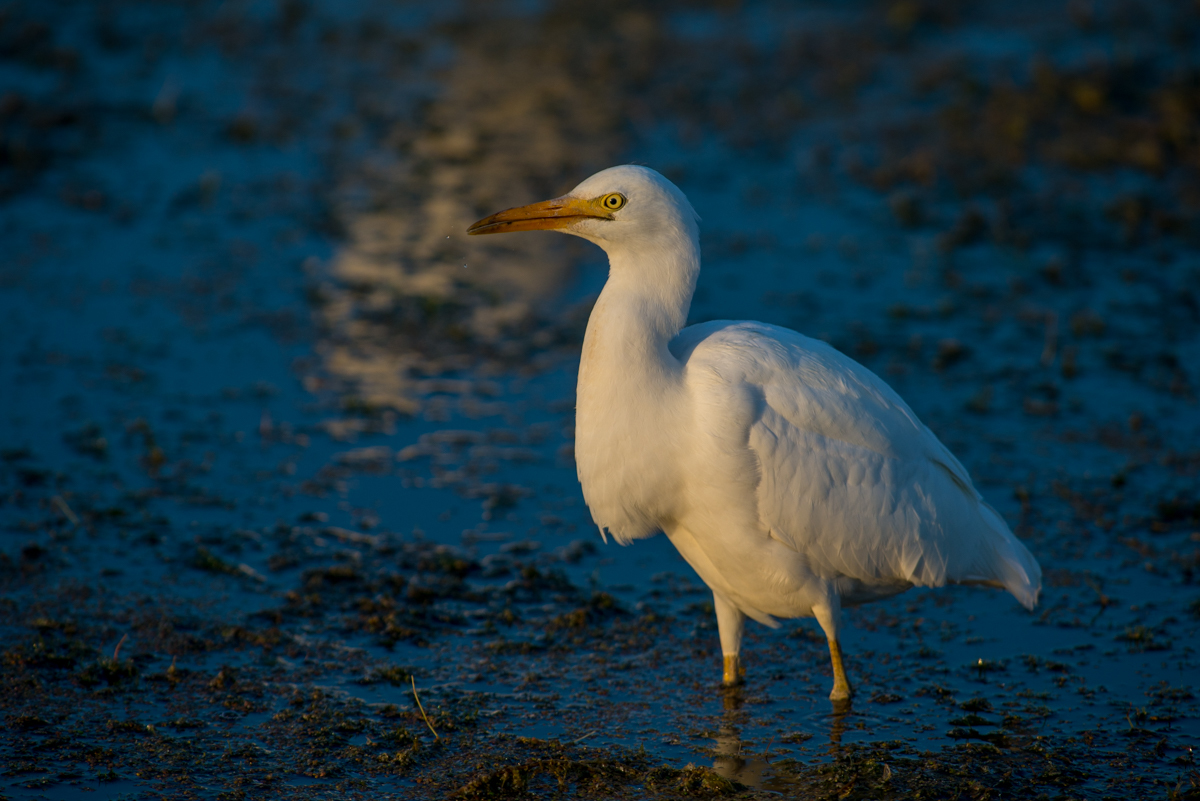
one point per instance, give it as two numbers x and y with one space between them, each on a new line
283 451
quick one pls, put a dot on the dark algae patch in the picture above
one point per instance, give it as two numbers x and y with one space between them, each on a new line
288 503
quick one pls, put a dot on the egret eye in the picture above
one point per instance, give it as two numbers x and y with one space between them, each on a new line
613 202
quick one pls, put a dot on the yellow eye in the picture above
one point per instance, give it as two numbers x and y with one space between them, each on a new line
613 201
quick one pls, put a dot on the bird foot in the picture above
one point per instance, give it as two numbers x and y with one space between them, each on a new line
841 685
734 671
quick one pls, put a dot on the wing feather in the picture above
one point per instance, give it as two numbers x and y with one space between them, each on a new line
846 473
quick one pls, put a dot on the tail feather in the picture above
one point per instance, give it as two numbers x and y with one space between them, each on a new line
1012 564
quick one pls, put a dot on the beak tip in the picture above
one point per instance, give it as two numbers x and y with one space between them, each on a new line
556 214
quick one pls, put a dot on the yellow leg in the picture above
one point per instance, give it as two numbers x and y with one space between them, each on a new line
841 686
733 670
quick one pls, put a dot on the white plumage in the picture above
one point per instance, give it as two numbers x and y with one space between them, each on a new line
791 478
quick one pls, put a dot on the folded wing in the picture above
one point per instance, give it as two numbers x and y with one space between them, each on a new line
848 476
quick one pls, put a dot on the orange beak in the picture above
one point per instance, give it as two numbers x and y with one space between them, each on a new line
549 215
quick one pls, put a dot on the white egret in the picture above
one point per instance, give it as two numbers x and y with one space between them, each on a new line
791 478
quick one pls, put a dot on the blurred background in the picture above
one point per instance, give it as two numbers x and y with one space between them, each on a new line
279 443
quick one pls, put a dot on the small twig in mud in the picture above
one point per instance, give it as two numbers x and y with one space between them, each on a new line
1101 599
121 642
413 679
251 573
1062 602
62 506
579 740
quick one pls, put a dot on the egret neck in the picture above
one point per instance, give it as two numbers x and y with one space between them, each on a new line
643 306
626 372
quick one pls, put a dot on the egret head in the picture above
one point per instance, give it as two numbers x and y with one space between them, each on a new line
617 207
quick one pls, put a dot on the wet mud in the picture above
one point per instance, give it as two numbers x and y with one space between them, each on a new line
287 495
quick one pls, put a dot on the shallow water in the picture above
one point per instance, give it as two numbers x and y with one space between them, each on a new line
280 443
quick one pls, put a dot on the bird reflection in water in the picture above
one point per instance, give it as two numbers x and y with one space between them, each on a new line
730 760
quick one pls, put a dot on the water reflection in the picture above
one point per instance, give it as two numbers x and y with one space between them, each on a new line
837 722
733 762
526 108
